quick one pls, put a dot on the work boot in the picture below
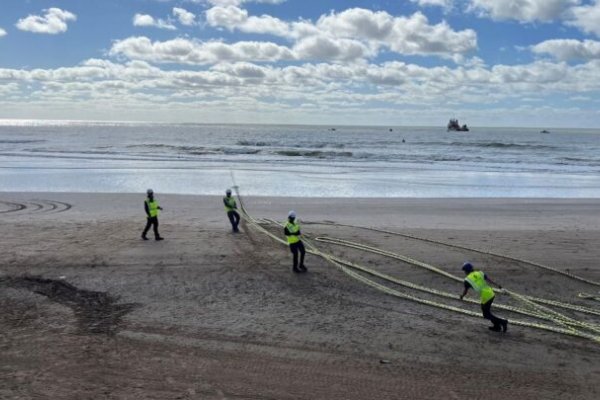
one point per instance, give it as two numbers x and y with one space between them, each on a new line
296 270
504 325
160 238
144 237
494 328
302 268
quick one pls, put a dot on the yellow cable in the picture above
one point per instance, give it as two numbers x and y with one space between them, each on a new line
409 260
570 325
474 250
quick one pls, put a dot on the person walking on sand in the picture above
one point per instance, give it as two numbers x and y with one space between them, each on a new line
292 232
479 282
230 208
152 209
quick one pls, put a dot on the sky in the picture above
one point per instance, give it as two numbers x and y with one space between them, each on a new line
533 63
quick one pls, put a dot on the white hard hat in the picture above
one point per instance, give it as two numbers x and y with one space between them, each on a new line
150 191
292 214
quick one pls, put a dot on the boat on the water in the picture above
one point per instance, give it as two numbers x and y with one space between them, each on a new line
453 125
544 131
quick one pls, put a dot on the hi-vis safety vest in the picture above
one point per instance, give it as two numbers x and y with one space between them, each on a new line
477 281
152 207
230 201
293 228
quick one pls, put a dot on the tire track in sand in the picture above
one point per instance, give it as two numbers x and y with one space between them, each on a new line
13 207
37 206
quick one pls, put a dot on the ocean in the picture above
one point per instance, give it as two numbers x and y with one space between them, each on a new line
313 161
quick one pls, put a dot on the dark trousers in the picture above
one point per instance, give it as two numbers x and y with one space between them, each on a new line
152 221
234 218
296 248
486 308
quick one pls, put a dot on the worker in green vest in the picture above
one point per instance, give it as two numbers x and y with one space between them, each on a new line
479 282
230 208
292 232
152 209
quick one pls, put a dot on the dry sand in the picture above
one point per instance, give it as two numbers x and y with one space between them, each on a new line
207 314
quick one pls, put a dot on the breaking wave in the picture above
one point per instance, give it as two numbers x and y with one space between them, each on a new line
20 141
302 145
253 143
501 145
314 153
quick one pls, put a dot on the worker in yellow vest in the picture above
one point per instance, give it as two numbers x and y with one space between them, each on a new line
230 208
152 209
292 232
479 282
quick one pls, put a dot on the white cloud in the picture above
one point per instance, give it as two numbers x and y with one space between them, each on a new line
569 49
425 84
129 90
143 20
405 35
53 22
229 17
232 18
523 10
332 72
359 22
9 88
319 43
243 70
586 18
369 29
185 51
185 17
146 20
529 75
328 48
2 32
434 3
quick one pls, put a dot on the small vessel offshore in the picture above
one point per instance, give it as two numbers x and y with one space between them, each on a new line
453 125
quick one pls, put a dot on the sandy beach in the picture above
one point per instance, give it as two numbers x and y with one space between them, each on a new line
91 311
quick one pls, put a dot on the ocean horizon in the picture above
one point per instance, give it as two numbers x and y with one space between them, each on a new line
442 124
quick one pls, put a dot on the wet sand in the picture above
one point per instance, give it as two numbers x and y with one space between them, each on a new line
91 311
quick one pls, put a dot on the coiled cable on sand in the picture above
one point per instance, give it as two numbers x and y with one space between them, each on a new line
566 325
471 249
588 296
411 261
